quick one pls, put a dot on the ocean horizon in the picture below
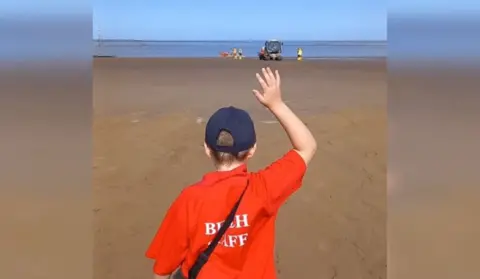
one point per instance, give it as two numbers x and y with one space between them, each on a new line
207 49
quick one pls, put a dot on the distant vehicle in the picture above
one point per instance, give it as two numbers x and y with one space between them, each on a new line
271 51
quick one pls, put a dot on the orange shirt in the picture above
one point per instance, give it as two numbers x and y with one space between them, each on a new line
246 251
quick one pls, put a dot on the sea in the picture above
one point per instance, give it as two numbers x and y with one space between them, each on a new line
205 49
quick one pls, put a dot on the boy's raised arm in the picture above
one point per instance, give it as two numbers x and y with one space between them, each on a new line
300 136
284 176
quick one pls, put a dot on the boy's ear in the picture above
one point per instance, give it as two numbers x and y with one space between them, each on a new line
251 151
208 151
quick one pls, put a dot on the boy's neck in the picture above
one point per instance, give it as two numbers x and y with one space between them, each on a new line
229 167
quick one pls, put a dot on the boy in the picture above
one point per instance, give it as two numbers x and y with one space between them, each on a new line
246 251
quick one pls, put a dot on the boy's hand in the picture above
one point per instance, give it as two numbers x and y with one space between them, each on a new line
271 95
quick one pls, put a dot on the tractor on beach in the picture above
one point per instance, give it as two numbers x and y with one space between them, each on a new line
272 50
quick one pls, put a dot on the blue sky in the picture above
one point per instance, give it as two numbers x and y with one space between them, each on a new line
240 20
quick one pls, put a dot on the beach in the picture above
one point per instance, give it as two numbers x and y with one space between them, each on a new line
149 119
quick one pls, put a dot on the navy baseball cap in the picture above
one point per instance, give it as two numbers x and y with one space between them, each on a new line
235 121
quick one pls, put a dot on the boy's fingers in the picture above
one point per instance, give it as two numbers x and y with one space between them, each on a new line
257 94
277 76
261 81
267 77
270 74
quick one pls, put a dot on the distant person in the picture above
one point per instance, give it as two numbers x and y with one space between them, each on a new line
240 54
197 220
299 54
262 52
235 53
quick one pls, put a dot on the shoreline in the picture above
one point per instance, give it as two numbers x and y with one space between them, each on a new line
381 58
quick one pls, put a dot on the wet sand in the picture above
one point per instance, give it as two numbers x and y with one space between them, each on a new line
148 127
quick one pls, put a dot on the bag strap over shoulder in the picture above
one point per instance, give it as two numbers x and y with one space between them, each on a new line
205 255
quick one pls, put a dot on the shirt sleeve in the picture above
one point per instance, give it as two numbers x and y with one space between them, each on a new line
280 180
169 245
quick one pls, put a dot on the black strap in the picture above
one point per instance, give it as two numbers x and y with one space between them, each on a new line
205 255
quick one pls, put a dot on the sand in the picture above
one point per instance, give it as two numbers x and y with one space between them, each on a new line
148 127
